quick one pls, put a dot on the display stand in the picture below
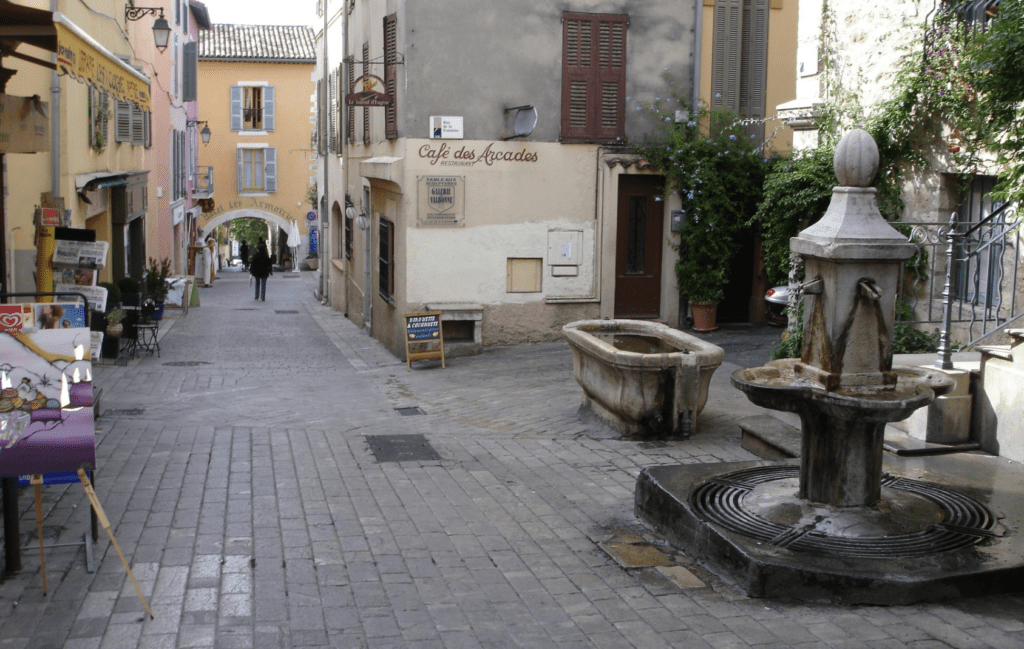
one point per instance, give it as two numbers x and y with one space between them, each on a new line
424 339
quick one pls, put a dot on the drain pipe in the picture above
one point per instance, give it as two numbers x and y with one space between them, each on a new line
54 124
324 141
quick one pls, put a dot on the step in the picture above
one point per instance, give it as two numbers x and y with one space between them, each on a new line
769 438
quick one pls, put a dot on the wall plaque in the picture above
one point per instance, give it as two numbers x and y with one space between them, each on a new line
441 201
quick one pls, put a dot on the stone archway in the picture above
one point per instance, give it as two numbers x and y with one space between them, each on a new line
247 213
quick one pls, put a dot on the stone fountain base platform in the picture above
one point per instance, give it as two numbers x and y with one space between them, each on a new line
946 527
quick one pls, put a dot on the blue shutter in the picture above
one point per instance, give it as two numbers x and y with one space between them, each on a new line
268 108
189 72
270 169
238 160
236 109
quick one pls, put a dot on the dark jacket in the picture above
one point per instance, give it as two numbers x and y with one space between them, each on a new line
260 264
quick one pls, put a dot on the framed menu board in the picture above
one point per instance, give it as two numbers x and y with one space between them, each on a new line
424 339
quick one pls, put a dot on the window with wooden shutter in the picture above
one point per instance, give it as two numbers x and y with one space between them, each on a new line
350 119
190 71
740 57
236 108
366 111
593 77
339 109
122 121
269 108
138 126
391 75
332 101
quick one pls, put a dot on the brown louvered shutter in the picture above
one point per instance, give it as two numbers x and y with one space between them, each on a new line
350 120
366 109
593 77
725 59
391 75
332 102
611 77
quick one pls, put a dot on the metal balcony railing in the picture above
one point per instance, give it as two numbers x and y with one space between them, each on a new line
979 265
202 182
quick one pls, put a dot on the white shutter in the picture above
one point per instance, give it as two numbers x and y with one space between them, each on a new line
270 169
236 108
268 108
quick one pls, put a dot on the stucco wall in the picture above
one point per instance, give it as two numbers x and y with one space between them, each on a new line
291 138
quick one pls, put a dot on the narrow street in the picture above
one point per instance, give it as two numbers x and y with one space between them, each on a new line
245 481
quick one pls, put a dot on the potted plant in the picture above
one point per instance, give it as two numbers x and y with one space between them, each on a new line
156 283
114 318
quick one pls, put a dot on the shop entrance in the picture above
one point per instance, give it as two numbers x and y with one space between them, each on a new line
638 247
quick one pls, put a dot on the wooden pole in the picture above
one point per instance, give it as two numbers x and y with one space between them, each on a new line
96 507
37 481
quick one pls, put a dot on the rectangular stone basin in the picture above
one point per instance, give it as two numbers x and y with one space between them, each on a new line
652 382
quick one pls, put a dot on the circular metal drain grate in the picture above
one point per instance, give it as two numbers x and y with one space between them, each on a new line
966 522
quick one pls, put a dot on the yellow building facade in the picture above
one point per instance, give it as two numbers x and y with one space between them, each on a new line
257 105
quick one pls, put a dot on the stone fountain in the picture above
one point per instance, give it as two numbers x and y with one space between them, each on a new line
846 524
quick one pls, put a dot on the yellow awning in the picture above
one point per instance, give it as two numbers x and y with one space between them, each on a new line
79 56
82 58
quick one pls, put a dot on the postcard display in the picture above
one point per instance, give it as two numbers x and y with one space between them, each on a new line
46 393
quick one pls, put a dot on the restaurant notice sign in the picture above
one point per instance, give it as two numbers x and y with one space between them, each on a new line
441 201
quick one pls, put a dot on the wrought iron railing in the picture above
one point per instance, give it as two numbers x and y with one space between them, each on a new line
202 182
978 264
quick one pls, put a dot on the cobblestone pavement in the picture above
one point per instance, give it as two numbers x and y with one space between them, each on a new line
238 475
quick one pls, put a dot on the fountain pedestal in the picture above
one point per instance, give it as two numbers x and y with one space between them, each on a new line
836 526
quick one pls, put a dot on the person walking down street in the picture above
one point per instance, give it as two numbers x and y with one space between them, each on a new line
260 268
243 252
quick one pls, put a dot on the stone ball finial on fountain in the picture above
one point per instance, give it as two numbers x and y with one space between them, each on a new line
856 159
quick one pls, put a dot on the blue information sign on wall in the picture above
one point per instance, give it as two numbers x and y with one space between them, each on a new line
313 238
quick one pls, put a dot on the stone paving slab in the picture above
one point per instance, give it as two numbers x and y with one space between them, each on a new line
255 514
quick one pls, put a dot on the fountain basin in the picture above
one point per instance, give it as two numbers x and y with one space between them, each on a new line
644 378
842 430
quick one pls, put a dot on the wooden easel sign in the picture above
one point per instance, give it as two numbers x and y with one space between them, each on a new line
423 337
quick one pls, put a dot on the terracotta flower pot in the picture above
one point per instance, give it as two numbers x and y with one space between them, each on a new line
704 316
115 329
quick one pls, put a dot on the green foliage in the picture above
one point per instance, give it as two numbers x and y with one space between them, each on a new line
115 316
113 293
156 279
718 171
128 285
797 191
249 229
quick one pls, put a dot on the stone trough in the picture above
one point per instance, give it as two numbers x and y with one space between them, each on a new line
644 378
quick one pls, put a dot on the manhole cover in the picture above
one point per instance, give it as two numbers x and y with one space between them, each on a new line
247 309
410 411
651 445
187 363
289 276
286 312
401 448
739 347
128 412
640 555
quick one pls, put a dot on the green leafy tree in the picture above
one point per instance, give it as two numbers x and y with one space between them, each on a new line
248 229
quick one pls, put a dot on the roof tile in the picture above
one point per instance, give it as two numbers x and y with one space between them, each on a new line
257 43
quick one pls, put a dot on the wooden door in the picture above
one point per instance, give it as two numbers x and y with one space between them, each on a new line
638 247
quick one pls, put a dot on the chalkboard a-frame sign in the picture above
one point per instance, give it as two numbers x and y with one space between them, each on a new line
423 337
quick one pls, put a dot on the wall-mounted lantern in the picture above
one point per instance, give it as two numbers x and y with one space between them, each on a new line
161 30
205 133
